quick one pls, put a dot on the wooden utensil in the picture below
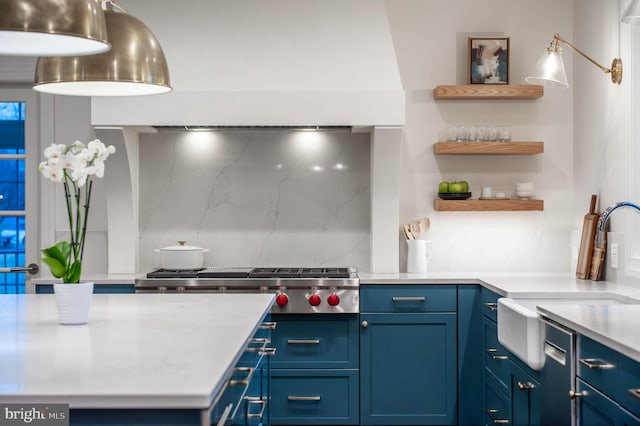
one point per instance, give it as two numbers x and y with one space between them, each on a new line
407 231
586 242
597 259
415 230
424 224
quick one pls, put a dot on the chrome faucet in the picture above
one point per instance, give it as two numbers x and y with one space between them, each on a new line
602 222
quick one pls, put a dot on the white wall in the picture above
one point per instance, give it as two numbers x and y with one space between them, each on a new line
430 42
603 153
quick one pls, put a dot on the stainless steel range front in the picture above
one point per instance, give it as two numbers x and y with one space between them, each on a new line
318 290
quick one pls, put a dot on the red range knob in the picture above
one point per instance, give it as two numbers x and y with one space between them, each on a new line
282 299
314 300
333 299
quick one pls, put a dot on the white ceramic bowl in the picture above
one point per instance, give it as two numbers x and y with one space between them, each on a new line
524 193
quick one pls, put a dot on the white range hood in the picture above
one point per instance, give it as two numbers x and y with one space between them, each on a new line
273 62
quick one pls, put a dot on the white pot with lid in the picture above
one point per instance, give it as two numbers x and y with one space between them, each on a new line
181 256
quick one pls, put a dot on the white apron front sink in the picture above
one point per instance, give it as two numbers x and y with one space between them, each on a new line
521 330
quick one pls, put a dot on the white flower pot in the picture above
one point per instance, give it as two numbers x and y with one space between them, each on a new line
73 302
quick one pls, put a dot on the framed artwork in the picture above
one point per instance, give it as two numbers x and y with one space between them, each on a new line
488 59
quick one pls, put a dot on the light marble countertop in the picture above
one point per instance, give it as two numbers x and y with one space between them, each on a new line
615 326
138 351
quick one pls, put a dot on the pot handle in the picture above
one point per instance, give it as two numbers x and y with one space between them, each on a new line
205 250
156 250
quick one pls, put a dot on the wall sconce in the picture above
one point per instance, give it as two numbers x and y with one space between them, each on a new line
134 66
550 71
52 27
631 14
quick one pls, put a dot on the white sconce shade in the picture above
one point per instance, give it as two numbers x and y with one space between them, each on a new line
52 27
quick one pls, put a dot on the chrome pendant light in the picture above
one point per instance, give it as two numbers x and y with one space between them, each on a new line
52 27
134 66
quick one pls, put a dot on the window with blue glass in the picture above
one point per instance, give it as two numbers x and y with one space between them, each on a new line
12 194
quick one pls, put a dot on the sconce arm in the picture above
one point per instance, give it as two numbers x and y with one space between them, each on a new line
557 37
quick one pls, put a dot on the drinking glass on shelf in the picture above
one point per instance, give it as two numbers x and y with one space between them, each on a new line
462 133
492 133
481 133
504 133
452 133
473 129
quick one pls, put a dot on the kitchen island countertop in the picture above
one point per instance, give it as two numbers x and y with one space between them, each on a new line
138 351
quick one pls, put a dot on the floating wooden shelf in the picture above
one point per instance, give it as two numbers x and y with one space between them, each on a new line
487 205
488 148
489 91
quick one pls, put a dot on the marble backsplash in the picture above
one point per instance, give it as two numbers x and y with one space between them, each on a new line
257 197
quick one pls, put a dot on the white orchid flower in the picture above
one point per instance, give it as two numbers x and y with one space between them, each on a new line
98 168
54 173
54 150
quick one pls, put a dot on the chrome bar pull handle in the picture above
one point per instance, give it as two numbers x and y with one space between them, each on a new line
494 420
492 353
225 415
596 364
408 299
635 393
526 386
32 269
246 380
269 325
303 341
491 306
268 352
254 400
303 398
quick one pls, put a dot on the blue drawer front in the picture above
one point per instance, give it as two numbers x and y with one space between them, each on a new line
605 378
318 342
490 304
403 298
629 385
495 355
497 405
314 397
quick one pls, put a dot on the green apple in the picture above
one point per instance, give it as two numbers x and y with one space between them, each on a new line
456 187
465 186
443 187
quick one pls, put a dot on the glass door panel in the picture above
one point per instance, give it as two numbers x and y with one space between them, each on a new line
12 195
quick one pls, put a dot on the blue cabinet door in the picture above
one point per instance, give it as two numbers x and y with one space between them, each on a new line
596 409
525 398
408 369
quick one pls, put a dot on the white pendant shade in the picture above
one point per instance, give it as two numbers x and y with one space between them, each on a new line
52 27
549 70
134 66
631 14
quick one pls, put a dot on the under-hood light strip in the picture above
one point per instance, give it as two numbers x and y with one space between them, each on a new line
252 128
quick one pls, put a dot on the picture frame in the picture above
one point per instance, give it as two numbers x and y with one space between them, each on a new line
488 60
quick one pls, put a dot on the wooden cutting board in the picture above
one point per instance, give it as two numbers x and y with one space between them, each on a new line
586 242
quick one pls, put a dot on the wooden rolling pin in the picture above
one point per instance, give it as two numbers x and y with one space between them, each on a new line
586 242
